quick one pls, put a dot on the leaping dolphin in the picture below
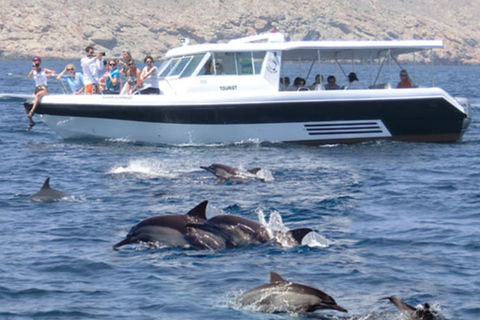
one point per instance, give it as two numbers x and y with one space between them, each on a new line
171 230
229 174
282 296
421 313
47 194
240 232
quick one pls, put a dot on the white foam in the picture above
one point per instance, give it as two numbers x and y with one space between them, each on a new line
279 232
149 168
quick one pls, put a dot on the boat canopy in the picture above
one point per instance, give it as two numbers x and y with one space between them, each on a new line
312 50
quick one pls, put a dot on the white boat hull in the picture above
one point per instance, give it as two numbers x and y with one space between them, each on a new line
166 133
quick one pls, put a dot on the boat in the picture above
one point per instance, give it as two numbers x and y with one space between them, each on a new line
246 102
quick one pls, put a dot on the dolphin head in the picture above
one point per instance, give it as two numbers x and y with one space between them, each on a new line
47 194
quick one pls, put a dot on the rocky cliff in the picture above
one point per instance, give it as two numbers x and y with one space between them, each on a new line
63 28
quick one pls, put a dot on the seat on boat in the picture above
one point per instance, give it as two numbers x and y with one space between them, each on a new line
385 85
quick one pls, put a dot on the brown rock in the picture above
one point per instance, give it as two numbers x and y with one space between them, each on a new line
61 29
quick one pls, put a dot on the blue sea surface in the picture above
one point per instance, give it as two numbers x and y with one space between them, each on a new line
402 219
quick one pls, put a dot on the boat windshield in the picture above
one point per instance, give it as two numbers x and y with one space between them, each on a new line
180 66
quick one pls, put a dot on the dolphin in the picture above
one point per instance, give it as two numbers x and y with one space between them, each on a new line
240 232
282 296
228 174
421 313
172 231
47 194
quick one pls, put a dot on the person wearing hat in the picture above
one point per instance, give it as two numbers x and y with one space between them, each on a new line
126 54
40 76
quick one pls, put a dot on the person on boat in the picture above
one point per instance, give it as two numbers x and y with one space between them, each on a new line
298 85
207 68
91 65
149 77
126 54
74 79
284 83
218 69
354 83
40 76
317 83
112 78
332 83
404 80
133 78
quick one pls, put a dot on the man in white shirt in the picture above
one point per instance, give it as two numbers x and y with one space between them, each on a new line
91 65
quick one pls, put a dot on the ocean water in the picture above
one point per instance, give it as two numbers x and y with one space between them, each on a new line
401 219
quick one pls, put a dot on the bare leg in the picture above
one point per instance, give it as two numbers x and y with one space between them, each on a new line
38 96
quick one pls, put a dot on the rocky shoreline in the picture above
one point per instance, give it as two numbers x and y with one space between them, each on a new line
61 29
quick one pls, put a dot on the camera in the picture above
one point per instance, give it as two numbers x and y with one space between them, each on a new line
103 54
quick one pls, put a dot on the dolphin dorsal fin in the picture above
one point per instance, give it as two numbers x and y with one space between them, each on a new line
275 277
46 184
199 211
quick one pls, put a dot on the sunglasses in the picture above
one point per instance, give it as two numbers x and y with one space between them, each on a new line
148 61
71 69
131 64
112 64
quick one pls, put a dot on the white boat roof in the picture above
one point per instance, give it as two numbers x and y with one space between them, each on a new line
309 50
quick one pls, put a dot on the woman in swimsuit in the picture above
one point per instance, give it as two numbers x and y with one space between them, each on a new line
134 80
40 76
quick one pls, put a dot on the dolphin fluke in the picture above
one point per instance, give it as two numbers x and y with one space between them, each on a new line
299 234
47 194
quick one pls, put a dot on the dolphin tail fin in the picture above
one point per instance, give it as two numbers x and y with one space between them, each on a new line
299 234
401 305
46 184
199 211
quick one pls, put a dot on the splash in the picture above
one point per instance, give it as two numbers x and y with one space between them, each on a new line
279 232
146 167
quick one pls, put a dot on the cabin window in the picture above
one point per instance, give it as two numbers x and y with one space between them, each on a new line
165 68
179 66
258 58
239 63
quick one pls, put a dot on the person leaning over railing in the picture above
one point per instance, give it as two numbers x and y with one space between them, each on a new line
149 77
